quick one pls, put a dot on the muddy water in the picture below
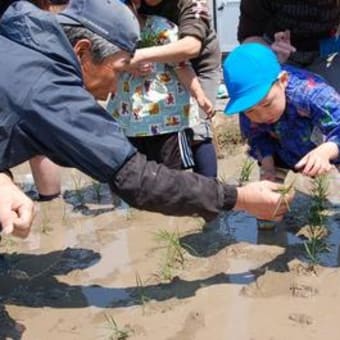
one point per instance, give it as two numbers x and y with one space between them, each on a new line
86 264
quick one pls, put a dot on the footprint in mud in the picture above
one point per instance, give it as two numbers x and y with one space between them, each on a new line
301 319
303 291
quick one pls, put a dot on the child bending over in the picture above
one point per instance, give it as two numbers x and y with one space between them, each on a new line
290 117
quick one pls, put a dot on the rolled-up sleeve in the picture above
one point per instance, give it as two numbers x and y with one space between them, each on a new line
192 21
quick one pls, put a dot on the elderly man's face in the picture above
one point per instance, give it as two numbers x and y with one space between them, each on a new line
100 79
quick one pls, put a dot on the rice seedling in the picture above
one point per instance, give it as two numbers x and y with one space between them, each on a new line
320 191
316 243
314 248
115 332
284 191
77 184
143 299
148 40
174 252
246 170
45 222
97 190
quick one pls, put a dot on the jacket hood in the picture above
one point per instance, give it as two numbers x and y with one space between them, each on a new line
27 25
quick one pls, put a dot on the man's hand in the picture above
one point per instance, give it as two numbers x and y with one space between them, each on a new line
262 200
282 46
16 209
317 161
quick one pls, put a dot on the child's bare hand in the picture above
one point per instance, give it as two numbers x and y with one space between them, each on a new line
317 161
282 45
206 105
314 164
141 69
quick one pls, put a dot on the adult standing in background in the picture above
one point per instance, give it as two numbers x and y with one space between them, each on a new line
302 33
197 43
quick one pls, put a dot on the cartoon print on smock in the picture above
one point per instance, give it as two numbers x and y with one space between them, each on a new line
157 103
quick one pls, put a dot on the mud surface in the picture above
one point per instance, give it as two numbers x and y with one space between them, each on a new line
93 270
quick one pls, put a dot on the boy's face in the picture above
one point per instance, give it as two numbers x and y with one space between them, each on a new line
271 108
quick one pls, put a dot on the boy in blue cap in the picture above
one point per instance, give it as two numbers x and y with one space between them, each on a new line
290 117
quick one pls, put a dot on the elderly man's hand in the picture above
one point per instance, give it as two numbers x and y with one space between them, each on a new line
263 200
16 209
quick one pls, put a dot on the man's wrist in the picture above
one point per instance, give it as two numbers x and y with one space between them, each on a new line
230 196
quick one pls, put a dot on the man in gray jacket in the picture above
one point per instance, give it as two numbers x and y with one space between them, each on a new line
52 71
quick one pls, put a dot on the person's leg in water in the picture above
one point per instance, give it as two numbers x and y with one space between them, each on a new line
46 176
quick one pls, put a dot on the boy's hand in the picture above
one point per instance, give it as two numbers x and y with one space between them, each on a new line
206 105
282 46
317 161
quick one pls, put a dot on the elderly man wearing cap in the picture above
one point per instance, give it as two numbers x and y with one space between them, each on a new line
53 70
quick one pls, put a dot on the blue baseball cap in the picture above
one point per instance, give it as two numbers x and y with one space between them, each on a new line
249 73
110 19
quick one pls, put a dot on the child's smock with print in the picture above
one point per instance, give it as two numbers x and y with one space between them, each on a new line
157 103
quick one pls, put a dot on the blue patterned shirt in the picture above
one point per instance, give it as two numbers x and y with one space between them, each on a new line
311 117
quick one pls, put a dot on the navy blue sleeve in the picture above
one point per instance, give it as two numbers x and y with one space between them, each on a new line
64 122
325 111
259 141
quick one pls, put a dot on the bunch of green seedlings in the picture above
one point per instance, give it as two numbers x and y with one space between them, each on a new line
246 170
174 253
148 40
316 243
284 191
115 332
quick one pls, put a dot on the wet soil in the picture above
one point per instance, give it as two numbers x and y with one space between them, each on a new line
96 270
